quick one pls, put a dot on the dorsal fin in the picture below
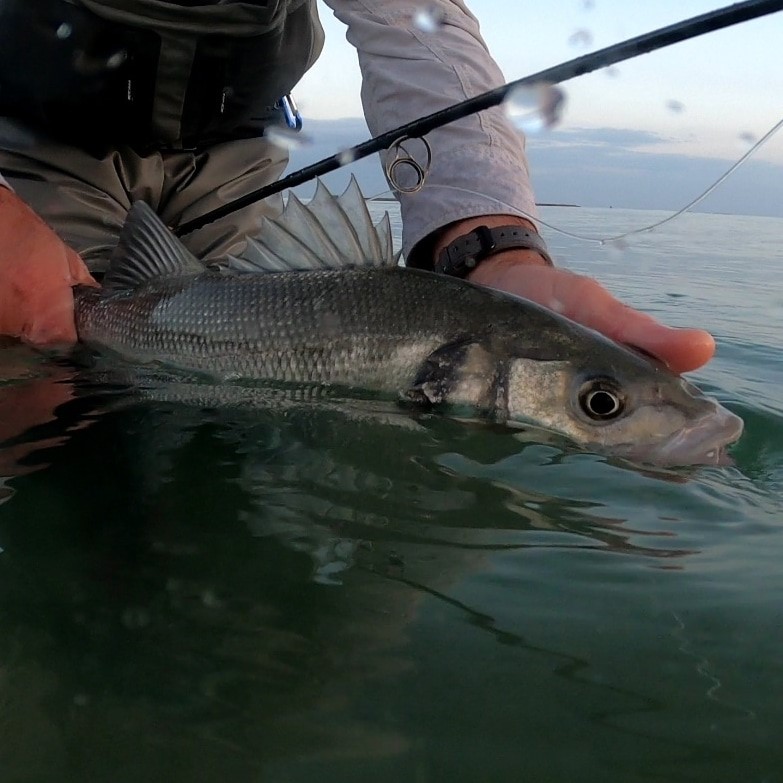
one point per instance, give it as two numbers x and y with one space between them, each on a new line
147 249
330 232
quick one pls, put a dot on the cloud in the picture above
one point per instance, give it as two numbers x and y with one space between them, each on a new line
597 137
602 167
596 167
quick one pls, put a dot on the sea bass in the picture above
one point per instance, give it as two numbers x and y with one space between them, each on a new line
319 298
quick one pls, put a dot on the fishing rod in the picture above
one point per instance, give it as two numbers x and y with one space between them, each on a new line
625 50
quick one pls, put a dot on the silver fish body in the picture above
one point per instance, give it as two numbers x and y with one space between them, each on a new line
429 339
368 328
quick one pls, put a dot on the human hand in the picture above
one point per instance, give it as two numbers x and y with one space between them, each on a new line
582 299
37 272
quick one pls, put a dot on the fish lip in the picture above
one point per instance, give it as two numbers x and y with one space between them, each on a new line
702 442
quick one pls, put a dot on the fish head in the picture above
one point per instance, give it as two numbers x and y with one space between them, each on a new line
614 400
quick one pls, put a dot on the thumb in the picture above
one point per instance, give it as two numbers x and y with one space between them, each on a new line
52 304
77 269
591 304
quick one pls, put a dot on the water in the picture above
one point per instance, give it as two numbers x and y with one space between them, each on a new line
349 594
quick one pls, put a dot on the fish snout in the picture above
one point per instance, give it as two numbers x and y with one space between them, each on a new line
703 440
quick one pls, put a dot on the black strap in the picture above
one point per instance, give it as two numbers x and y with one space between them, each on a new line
465 253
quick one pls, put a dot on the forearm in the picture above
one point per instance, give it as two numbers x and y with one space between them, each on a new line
479 166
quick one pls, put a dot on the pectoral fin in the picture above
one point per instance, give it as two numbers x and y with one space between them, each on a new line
462 372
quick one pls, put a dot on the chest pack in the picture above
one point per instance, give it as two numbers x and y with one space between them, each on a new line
153 74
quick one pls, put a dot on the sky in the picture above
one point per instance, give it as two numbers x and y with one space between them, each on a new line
651 134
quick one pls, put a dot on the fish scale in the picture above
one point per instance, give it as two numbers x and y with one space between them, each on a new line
341 327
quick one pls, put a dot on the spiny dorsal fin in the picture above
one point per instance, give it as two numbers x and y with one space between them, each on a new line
147 249
330 232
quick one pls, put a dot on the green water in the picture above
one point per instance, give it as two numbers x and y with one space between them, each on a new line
320 594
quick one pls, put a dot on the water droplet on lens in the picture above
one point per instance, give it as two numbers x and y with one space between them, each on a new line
521 107
557 305
588 4
286 138
116 59
346 156
581 37
551 104
534 107
135 618
210 600
64 31
429 19
612 72
675 106
615 247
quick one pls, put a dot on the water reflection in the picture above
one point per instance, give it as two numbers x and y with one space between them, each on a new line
218 591
31 391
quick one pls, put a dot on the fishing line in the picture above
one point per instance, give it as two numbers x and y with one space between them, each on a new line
643 229
704 668
625 50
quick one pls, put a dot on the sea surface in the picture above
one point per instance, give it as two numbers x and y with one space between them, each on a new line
312 592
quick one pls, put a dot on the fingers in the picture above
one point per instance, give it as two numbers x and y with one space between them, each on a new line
586 301
48 298
79 273
36 274
591 304
54 323
682 350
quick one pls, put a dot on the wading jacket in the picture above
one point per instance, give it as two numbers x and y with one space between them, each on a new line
179 74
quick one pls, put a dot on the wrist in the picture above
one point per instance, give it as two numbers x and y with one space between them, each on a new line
495 268
461 227
471 244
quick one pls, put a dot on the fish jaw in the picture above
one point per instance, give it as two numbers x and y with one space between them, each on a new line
701 442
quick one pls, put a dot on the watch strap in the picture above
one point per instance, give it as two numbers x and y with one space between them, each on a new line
465 253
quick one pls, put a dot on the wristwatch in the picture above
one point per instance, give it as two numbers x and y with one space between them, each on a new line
460 257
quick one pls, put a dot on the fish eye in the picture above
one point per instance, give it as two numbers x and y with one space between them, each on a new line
601 400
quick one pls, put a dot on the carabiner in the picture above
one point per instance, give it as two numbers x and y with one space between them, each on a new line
293 119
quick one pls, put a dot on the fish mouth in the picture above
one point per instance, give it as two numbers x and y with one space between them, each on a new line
702 442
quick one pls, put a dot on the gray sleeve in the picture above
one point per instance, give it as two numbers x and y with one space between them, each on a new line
409 72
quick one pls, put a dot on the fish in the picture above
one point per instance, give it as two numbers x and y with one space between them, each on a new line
320 298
